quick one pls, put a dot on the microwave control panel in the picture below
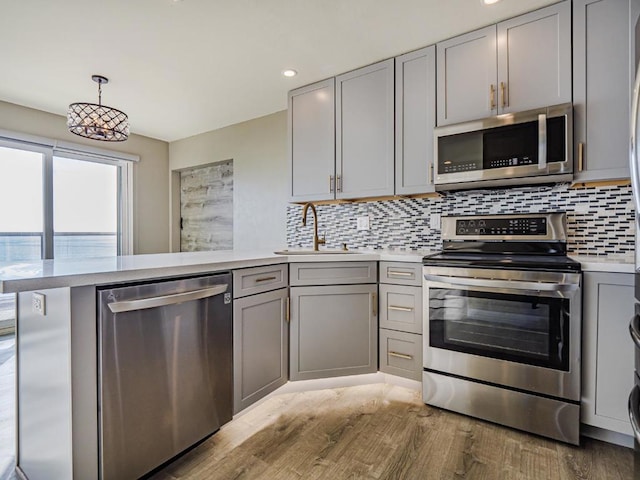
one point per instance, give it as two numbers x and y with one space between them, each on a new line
502 226
511 162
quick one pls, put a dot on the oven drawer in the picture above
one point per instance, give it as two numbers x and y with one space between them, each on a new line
401 273
401 308
249 281
401 354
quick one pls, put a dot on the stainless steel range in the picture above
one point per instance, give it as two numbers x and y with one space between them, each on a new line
503 323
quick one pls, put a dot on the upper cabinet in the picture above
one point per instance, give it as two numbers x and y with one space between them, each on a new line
415 119
312 142
603 74
341 136
519 64
365 132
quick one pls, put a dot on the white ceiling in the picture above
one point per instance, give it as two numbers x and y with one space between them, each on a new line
182 68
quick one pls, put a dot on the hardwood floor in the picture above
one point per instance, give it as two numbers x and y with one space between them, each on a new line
384 432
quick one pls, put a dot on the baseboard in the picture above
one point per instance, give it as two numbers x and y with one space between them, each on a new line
606 435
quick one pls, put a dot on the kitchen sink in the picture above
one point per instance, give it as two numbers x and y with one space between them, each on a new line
312 252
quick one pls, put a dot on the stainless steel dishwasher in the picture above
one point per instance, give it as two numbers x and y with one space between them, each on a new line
165 370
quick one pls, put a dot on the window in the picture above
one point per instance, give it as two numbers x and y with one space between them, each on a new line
61 201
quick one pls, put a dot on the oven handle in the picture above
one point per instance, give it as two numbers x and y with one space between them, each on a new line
507 284
634 411
634 329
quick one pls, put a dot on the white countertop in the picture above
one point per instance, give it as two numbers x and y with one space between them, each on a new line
593 263
44 274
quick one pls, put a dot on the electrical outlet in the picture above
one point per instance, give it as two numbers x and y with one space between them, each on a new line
363 223
38 303
434 221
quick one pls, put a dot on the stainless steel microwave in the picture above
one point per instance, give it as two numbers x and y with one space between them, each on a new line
535 146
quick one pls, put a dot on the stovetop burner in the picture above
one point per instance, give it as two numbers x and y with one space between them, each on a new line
513 242
558 263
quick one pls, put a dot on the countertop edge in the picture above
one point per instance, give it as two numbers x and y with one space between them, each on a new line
200 264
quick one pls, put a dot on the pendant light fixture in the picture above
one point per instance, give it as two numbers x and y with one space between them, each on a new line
98 122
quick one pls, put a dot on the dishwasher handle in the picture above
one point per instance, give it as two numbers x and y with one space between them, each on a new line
161 301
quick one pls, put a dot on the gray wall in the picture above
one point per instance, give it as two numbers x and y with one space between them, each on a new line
258 149
151 174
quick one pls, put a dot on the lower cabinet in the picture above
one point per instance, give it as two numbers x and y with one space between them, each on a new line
607 350
401 354
334 331
260 346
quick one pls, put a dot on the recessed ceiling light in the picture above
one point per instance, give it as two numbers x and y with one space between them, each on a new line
489 2
289 73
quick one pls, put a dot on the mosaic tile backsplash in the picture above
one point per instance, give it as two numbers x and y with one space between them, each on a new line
599 219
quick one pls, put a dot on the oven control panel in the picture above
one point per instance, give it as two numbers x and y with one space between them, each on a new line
502 226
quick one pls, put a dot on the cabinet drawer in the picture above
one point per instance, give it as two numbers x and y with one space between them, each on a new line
333 273
401 354
401 273
249 281
401 308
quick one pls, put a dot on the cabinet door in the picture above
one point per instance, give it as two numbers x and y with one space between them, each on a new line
365 131
607 350
415 120
603 72
260 346
534 59
312 142
334 331
467 73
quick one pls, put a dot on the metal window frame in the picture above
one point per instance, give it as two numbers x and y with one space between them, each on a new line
49 150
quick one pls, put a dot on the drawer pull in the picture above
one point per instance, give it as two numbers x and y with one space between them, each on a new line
400 309
265 279
400 274
401 355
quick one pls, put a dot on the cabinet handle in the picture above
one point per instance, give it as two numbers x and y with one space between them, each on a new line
634 330
330 183
265 279
400 309
580 156
503 88
287 311
492 96
399 274
401 355
339 183
431 173
374 304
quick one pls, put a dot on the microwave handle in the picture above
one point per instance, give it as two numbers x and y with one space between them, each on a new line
542 141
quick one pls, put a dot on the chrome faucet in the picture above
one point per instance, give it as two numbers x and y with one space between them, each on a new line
316 241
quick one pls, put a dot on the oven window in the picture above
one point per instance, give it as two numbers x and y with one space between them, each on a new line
520 328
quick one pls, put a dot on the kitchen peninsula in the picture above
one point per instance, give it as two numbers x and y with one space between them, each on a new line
57 344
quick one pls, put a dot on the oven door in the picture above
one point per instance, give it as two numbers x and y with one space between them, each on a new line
509 328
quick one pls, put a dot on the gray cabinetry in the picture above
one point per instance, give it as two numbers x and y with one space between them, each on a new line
365 131
603 74
467 67
401 319
607 350
260 335
516 65
312 142
333 327
415 120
